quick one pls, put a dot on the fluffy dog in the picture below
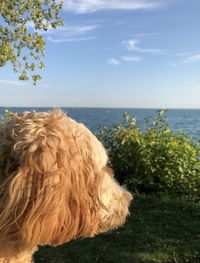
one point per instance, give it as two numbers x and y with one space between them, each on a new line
54 184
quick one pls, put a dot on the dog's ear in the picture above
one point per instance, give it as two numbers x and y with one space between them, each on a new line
52 196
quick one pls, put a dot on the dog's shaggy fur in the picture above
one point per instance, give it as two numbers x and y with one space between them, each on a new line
54 184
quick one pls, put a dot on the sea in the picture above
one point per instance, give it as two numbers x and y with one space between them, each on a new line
186 120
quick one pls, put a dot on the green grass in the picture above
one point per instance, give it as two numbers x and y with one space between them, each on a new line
158 231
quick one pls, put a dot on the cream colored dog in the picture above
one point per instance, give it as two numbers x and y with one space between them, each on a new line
54 184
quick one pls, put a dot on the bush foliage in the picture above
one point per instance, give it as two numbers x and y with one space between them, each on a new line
154 160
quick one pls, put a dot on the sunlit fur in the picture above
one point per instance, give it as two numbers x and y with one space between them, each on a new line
54 184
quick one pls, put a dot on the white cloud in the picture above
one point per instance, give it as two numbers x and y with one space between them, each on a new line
72 33
191 59
132 45
132 59
77 39
113 61
12 82
182 54
74 30
142 35
68 33
90 6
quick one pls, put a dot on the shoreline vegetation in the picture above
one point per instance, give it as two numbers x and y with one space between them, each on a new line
155 161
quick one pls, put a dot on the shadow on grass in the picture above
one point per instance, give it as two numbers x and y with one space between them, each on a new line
158 231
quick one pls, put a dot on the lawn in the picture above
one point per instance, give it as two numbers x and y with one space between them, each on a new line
159 230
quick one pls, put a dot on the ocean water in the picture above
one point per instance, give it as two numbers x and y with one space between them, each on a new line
178 119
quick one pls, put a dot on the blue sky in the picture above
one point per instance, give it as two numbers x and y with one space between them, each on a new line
129 53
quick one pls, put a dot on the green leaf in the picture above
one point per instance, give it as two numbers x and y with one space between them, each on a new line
17 39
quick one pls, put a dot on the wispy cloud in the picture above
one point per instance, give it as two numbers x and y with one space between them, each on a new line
116 61
77 39
12 82
73 33
182 54
183 58
192 59
73 30
132 45
113 61
90 6
68 33
132 59
144 35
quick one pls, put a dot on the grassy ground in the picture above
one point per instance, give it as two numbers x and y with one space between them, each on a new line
158 231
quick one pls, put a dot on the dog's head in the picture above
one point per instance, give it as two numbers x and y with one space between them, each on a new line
54 183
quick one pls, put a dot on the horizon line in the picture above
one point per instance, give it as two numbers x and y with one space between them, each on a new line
103 107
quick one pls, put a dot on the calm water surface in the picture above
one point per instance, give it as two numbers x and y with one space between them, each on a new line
93 118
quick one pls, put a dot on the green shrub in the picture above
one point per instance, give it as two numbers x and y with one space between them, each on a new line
157 160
